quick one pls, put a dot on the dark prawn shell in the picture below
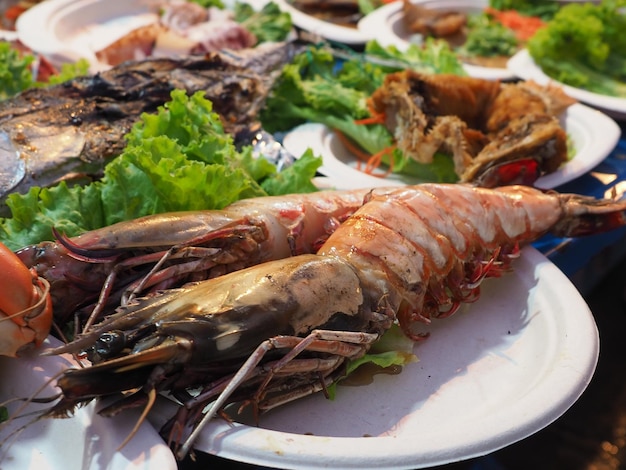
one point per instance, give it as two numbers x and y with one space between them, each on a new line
205 331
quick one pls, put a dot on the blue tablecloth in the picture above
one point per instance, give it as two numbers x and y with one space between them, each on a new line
586 260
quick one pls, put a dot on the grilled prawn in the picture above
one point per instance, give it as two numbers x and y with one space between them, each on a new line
269 334
91 274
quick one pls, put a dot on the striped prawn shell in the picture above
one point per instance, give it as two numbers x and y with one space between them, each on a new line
425 249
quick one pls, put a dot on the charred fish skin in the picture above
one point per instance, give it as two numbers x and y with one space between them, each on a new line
71 130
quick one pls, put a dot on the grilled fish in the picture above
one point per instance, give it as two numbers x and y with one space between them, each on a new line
70 131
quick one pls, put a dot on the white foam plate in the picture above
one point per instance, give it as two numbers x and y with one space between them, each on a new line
594 136
523 66
386 26
492 374
86 441
67 30
7 35
324 29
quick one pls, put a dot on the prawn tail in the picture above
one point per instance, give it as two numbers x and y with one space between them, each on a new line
583 215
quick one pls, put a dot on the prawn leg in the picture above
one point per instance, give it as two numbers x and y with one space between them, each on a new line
343 343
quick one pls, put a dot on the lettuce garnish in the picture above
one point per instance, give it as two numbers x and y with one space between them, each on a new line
16 72
270 23
179 158
394 348
312 88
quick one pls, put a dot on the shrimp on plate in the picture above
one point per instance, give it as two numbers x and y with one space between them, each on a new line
270 333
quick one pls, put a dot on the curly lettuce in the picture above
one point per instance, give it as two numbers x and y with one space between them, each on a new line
179 158
16 73
584 46
268 24
312 88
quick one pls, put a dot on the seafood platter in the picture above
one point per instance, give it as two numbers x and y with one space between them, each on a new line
593 135
387 25
562 53
67 28
182 283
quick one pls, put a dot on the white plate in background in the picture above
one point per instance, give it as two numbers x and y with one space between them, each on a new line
85 441
8 35
523 66
339 165
324 29
386 26
593 133
514 362
67 30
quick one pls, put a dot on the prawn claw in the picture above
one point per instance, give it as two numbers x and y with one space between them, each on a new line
25 309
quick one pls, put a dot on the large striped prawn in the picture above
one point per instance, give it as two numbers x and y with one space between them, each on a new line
271 333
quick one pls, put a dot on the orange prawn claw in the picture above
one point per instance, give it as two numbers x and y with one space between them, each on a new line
25 306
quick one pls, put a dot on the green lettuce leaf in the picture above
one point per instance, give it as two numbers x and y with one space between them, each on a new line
312 88
68 71
434 56
176 159
15 74
392 349
296 178
270 23
209 3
